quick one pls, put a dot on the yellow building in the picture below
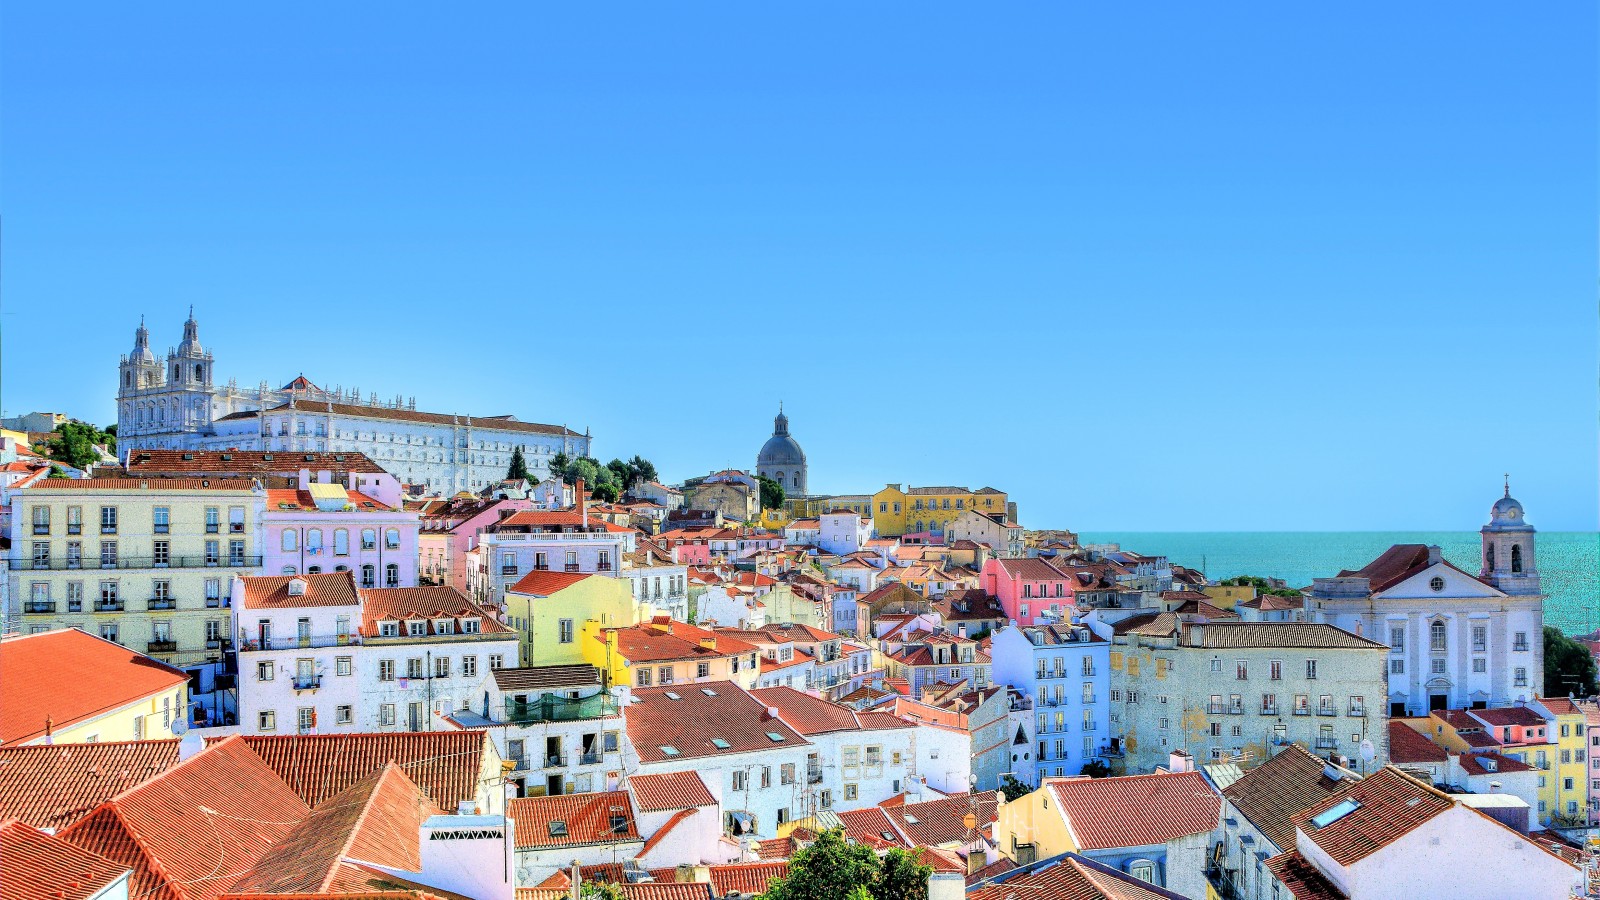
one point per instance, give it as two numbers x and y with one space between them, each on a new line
1570 761
915 510
68 686
556 613
146 563
665 652
1227 596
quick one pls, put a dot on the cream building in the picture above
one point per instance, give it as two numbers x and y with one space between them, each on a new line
146 563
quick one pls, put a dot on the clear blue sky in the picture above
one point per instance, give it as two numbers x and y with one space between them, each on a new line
1173 267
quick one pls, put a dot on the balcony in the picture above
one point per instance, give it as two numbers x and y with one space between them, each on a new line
108 529
1327 711
1358 712
41 529
39 606
74 528
1302 710
550 708
602 567
589 758
1271 710
1215 709
162 647
155 603
138 562
307 682
109 606
555 761
214 644
508 570
571 567
218 603
300 643
1090 672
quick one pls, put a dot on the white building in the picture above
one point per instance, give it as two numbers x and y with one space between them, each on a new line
560 540
319 655
843 531
177 405
1456 640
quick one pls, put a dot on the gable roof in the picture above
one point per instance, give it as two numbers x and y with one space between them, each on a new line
1136 810
429 602
933 822
1271 794
572 820
670 790
444 765
691 723
1389 805
1067 877
223 803
540 583
546 678
39 866
67 676
1407 745
873 827
647 642
810 715
52 786
321 589
1244 635
1399 563
247 462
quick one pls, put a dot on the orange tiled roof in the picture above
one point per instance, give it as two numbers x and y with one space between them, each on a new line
670 790
444 764
1271 794
1390 804
745 878
1303 880
66 676
680 640
321 589
39 866
1407 745
427 602
255 462
872 827
583 819
499 423
1136 810
52 786
222 803
1069 877
690 724
296 500
544 583
940 821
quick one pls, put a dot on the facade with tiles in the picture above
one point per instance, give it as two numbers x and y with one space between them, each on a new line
144 563
1236 690
1065 670
177 404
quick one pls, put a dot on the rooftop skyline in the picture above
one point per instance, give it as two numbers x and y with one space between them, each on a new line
1176 271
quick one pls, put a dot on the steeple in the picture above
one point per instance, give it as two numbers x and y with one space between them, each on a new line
780 424
141 345
1508 547
191 337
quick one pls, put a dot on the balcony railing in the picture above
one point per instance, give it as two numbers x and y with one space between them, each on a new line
1327 711
112 606
1358 711
36 606
218 602
550 708
41 529
1302 710
1269 710
589 759
571 567
555 760
140 562
813 776
508 570
74 528
161 603
299 643
307 682
162 647
1090 672
555 537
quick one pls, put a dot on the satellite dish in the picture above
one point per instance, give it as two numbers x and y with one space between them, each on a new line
1368 752
179 729
504 608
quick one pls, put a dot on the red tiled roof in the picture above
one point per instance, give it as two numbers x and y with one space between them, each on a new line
745 878
670 790
295 500
221 804
1474 764
1272 793
1407 745
39 866
690 724
67 676
666 890
873 827
807 714
1136 810
1070 877
544 583
483 423
321 589
546 517
1395 565
775 848
1302 879
1560 706
587 819
1391 804
1502 716
943 820
647 643
52 786
142 484
1031 568
427 602
445 765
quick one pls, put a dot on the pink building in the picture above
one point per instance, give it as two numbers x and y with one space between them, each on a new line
450 528
330 527
1030 590
688 546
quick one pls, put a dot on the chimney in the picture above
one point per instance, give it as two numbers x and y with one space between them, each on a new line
582 506
1180 761
946 886
709 642
1434 555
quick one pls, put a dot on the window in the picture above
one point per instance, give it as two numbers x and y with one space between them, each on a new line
391 538
1480 638
1521 677
496 661
1311 670
108 554
306 719
236 520
851 791
341 542
741 780
266 720
369 539
1436 636
1436 667
1241 670
1143 869
1436 584
369 576
391 575
642 677
441 667
161 554
264 671
161 519
213 518
236 553
386 714
702 670
1397 666
342 715
341 665
74 520
213 553
1519 641
385 670
108 520
414 667
1216 665
786 773
1397 638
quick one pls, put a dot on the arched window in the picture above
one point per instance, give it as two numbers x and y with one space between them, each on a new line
1516 558
341 568
391 575
797 479
1488 557
391 538
1143 869
314 570
369 576
288 570
314 540
199 371
369 539
127 379
341 542
291 540
1436 636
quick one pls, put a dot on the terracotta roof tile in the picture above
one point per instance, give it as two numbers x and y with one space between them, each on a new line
941 821
52 786
541 583
1302 879
320 589
670 790
1407 745
1389 804
1480 763
544 678
1067 877
67 676
142 484
482 423
745 878
1503 716
39 866
573 820
873 827
1229 635
427 602
666 639
1271 794
1136 810
444 764
690 724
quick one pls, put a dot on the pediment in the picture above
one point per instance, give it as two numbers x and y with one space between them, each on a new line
1456 585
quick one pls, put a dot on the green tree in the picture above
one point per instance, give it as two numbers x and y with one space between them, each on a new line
519 466
643 469
73 443
622 471
599 890
833 868
1096 768
559 464
1013 789
771 493
1568 666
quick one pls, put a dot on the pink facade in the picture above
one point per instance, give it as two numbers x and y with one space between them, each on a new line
1031 591
450 528
305 534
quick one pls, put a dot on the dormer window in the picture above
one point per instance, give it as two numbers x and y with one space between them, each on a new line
444 626
416 628
297 587
469 626
388 629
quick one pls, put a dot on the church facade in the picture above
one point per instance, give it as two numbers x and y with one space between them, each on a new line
1456 640
782 460
176 404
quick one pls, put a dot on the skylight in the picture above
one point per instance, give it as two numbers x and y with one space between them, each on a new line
910 819
719 743
673 695
708 692
775 737
1335 813
558 828
669 750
